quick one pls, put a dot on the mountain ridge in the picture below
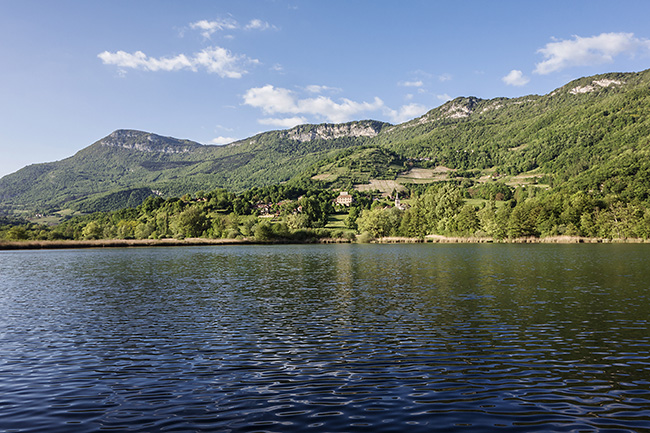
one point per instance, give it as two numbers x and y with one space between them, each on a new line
581 129
146 142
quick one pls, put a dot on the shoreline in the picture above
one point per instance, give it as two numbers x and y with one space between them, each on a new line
125 243
438 239
525 240
118 243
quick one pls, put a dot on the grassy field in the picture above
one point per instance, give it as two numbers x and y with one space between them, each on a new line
386 187
337 221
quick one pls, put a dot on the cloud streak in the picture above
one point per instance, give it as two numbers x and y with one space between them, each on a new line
256 24
210 27
594 50
417 83
215 60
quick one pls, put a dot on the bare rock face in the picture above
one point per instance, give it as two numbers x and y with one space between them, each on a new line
460 107
332 131
594 86
147 142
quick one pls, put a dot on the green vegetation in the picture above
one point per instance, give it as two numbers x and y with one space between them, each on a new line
290 213
573 162
127 166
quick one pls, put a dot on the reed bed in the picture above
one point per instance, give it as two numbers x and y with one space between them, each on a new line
115 243
122 243
526 240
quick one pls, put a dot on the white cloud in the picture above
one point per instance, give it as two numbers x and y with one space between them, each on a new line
314 88
139 60
209 27
406 112
295 110
444 97
222 140
337 112
288 122
418 83
588 51
215 60
257 24
222 62
444 77
515 78
272 100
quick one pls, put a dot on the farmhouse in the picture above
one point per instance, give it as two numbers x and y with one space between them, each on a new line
344 198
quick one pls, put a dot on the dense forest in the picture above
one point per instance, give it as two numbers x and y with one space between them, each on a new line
303 213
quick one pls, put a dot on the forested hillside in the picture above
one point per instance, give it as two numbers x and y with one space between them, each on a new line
125 167
591 136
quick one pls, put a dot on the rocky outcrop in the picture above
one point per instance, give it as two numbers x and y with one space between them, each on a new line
147 142
595 85
460 108
332 131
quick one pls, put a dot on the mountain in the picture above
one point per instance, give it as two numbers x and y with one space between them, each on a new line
592 134
126 166
520 134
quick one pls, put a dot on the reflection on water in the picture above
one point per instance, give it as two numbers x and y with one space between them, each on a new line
326 338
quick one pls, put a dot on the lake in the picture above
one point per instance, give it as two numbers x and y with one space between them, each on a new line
350 337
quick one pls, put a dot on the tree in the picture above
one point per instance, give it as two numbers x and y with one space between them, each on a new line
126 229
501 218
315 211
297 221
143 230
151 203
241 206
413 223
92 230
218 227
192 222
487 219
162 223
522 221
380 222
263 231
351 219
467 222
16 233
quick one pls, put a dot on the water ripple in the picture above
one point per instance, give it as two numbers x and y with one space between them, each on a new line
335 338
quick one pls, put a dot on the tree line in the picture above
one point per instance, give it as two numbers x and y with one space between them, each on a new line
300 213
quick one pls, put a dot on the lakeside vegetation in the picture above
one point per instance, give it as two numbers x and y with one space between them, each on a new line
438 212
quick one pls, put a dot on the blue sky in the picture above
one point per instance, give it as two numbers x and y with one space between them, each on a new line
216 71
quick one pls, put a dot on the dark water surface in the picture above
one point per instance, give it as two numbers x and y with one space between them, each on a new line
380 338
